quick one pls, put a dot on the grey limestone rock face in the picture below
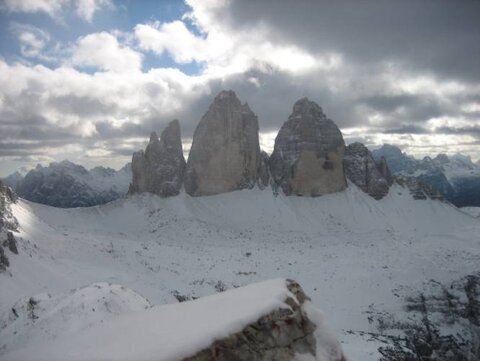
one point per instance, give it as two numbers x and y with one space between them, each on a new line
385 170
160 169
225 154
361 169
4 262
307 159
263 171
11 243
418 189
8 223
278 336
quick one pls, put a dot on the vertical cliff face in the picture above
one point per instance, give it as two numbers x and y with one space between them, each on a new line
308 153
160 169
225 154
361 169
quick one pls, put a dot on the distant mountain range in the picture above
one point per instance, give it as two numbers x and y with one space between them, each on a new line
456 177
309 159
66 184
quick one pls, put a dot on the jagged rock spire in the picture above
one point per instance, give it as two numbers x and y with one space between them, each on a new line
308 153
160 169
225 154
361 169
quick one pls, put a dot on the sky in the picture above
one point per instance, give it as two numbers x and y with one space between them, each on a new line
88 80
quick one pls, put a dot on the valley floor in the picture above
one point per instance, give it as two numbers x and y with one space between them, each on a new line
350 253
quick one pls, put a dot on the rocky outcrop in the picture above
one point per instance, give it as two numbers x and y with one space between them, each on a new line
361 169
8 223
7 220
280 335
4 262
385 170
308 155
418 189
225 154
11 243
263 171
160 169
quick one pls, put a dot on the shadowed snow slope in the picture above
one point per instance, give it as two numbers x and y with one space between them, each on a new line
347 250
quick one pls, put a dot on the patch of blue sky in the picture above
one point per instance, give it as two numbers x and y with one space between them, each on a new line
67 27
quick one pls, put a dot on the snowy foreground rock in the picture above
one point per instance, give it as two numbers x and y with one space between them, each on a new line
272 320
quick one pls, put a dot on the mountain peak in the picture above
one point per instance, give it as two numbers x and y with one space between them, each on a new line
153 137
305 107
226 99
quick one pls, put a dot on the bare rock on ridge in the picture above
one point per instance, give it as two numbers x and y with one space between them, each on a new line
285 334
263 171
8 223
225 154
385 170
361 169
160 169
307 159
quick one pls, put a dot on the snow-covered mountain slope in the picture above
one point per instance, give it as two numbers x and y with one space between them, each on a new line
40 319
347 250
66 184
473 211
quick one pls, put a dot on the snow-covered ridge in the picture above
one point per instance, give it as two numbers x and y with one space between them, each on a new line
40 319
346 249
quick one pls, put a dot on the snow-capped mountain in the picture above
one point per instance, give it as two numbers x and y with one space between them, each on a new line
456 177
66 184
354 256
16 177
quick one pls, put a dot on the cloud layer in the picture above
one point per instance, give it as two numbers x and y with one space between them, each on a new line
401 72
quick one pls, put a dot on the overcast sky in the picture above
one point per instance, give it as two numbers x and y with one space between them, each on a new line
88 80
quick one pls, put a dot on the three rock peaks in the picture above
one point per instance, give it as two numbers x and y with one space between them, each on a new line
309 156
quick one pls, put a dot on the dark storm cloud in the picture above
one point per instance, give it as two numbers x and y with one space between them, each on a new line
473 131
410 108
408 129
385 103
380 44
81 105
432 35
36 129
273 101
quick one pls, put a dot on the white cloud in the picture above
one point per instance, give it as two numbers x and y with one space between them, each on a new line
102 50
43 110
32 40
85 9
51 7
175 38
226 51
110 111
